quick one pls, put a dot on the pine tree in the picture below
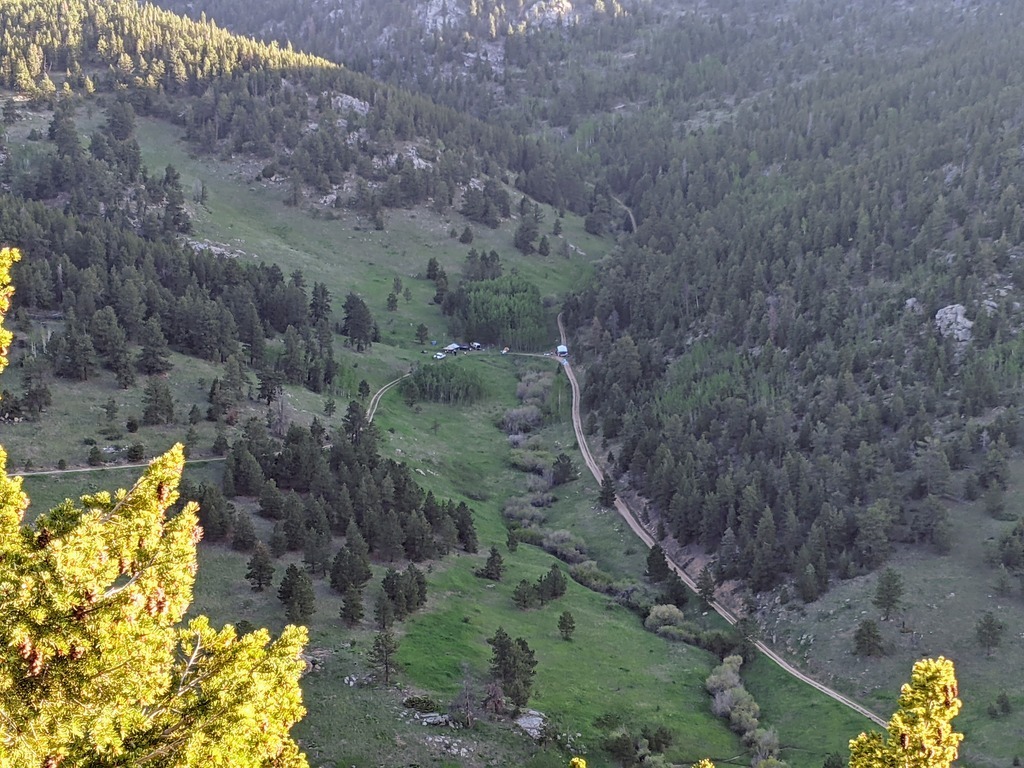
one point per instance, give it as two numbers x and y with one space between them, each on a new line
352 606
607 497
158 403
544 247
563 470
278 542
360 553
676 592
706 586
261 568
524 595
296 592
383 612
989 631
765 569
341 571
525 234
807 585
358 325
243 538
888 592
867 640
467 530
382 654
657 565
155 356
919 734
566 625
551 585
494 566
514 665
83 647
316 550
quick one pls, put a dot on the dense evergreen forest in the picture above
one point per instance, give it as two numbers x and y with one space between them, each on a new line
450 51
771 347
815 324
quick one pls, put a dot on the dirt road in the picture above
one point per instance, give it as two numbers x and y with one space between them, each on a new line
375 400
627 514
103 467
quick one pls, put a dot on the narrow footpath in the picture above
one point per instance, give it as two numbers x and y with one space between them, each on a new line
633 521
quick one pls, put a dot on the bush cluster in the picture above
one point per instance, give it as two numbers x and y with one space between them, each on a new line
730 699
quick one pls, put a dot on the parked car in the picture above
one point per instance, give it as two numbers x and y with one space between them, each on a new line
440 355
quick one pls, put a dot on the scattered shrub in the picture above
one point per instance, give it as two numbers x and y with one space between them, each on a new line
538 483
520 511
533 388
590 576
529 461
533 536
725 676
522 419
565 546
663 615
636 597
421 704
730 699
679 634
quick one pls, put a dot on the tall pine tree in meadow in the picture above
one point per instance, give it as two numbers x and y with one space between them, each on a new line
261 568
296 592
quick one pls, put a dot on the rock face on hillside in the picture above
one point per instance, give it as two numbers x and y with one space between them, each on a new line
532 722
952 323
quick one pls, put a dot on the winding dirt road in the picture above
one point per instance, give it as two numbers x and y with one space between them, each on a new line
375 400
627 514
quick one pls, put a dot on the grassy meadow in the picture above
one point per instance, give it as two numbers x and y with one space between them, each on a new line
612 672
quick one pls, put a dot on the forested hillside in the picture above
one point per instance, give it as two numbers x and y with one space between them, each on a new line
807 342
141 45
452 50
784 350
329 131
813 331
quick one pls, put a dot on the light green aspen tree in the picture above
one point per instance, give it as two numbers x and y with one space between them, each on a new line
919 734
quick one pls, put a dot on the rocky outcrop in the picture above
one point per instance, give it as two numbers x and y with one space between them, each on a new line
952 323
532 722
